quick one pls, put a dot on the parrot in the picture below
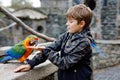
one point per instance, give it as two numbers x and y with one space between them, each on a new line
20 51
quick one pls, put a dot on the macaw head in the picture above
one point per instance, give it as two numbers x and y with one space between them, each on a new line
33 39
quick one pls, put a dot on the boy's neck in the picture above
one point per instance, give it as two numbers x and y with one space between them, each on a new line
80 30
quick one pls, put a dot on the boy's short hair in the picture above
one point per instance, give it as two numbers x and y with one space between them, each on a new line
80 12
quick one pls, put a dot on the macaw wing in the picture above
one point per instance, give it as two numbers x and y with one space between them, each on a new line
16 51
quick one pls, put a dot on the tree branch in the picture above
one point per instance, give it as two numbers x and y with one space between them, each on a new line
22 24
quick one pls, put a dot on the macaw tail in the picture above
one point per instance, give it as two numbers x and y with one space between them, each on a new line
4 59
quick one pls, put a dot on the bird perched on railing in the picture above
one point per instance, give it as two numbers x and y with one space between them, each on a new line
20 51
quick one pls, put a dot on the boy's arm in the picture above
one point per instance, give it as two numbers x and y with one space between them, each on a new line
72 57
42 57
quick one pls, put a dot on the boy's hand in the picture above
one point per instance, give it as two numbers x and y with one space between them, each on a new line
22 68
37 48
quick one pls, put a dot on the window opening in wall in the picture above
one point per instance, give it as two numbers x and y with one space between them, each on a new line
40 29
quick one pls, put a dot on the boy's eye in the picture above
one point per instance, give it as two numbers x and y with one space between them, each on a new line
71 21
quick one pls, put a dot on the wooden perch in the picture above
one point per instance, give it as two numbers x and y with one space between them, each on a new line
11 25
22 24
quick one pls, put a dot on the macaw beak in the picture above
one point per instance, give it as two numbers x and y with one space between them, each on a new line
34 41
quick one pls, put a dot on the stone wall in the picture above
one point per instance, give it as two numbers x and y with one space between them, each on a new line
55 25
112 51
108 19
6 38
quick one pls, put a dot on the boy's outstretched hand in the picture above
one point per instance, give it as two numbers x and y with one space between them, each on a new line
22 68
37 48
27 67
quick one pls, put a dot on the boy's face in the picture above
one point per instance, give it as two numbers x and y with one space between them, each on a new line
73 26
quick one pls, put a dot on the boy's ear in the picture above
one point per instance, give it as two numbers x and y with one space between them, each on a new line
82 23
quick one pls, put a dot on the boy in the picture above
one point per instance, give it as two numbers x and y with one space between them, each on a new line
73 60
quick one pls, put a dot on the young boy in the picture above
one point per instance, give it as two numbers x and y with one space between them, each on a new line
73 60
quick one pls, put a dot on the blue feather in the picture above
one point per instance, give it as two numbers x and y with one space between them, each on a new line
5 59
16 52
97 49
13 53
